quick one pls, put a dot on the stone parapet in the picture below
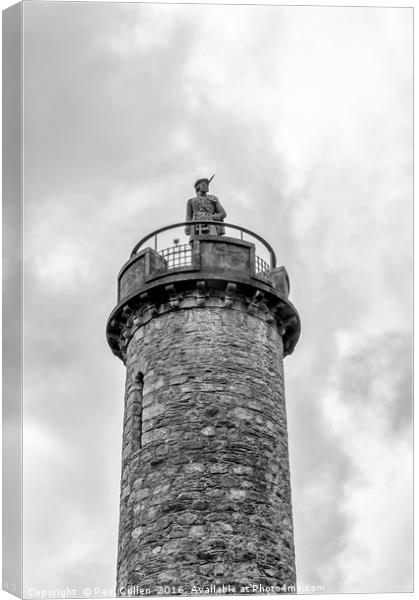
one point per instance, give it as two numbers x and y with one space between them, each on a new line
222 273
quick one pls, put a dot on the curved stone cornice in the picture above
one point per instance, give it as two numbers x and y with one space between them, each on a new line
188 291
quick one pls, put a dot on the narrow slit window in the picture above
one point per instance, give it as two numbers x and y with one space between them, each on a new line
137 409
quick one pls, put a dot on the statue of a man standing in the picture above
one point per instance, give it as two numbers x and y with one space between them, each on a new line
204 207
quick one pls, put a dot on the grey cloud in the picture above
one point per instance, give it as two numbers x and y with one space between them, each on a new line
321 471
386 360
324 473
93 115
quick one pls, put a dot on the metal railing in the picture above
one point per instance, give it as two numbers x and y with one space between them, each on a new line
179 255
174 255
261 267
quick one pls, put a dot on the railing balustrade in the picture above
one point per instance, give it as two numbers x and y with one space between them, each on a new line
181 254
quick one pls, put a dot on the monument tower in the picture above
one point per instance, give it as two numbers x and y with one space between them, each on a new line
203 328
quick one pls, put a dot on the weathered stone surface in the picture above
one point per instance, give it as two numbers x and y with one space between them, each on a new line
205 491
228 255
135 271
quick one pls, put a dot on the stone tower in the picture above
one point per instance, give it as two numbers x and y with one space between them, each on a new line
205 493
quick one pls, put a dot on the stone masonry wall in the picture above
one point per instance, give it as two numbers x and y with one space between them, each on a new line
205 493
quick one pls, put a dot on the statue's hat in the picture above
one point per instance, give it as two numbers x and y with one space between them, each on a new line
198 181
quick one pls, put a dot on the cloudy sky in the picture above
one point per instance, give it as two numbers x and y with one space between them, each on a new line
305 116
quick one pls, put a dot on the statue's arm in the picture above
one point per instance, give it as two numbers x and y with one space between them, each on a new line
219 214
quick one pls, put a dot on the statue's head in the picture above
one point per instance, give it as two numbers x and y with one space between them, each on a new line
202 185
